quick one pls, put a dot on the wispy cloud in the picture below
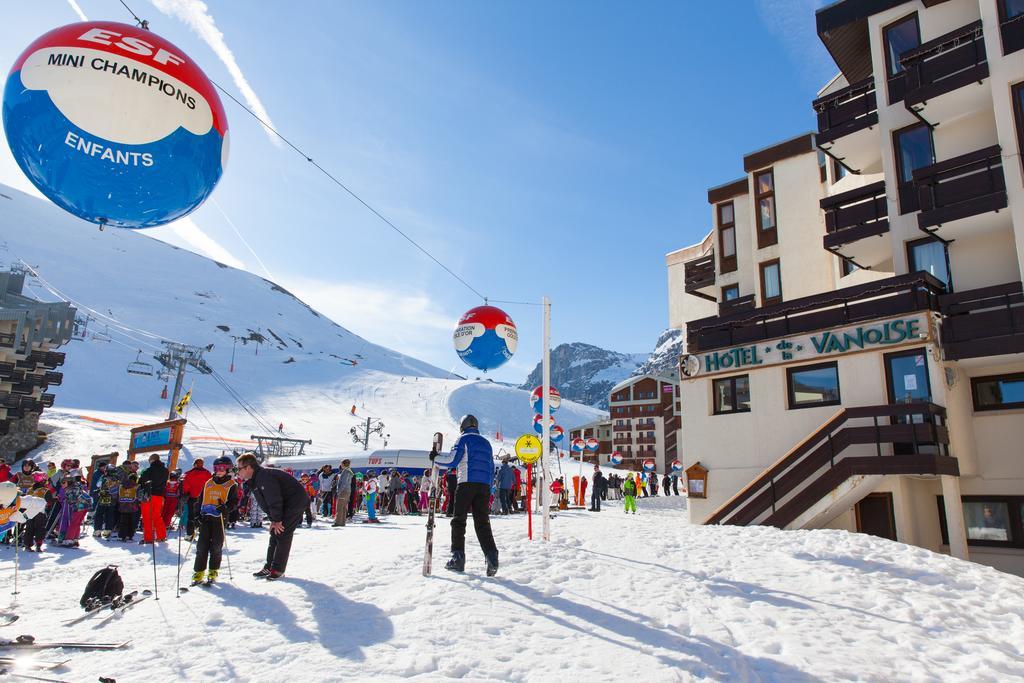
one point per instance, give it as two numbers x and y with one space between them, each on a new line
403 321
78 10
792 23
196 15
185 233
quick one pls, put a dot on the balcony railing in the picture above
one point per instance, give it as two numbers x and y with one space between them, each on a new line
846 111
622 428
647 439
740 303
855 215
964 186
622 440
983 322
53 378
699 274
47 400
892 296
944 64
1012 30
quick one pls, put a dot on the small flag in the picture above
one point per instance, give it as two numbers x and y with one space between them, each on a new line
180 408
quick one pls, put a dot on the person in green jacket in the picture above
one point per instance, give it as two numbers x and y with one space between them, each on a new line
629 491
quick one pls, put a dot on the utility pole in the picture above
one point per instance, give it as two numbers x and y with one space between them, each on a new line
373 426
177 358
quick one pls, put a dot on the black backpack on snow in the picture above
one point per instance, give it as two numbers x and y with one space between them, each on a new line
104 586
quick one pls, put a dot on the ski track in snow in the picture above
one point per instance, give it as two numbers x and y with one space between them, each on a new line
612 597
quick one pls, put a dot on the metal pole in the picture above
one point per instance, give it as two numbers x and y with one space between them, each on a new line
366 435
545 417
178 381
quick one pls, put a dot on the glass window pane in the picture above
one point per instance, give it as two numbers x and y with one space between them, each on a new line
732 293
767 209
987 521
1013 8
725 214
742 393
1000 392
915 151
816 385
729 242
772 287
931 258
723 395
899 39
765 183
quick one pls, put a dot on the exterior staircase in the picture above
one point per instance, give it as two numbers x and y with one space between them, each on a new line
828 472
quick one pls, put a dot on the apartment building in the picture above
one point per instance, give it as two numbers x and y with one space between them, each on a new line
864 369
645 417
600 430
30 330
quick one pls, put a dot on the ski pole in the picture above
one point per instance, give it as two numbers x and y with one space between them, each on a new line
177 581
17 557
224 535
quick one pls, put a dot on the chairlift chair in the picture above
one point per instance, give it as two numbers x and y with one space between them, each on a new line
139 367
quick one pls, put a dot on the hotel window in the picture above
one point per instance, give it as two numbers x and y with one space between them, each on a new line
813 385
771 283
1011 19
846 266
727 237
998 392
764 200
990 520
900 37
914 149
1017 94
731 395
731 292
931 256
838 171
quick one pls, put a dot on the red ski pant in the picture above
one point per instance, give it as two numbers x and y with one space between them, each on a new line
153 519
170 507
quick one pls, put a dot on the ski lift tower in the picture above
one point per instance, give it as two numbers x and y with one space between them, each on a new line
278 447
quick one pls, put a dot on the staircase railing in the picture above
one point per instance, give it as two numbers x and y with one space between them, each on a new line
765 498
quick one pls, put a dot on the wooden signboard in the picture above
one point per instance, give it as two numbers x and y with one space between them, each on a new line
163 436
697 481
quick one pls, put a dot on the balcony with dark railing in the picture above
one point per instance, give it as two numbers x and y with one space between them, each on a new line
847 121
699 277
893 296
857 223
622 440
47 400
740 303
962 195
1011 28
983 322
938 72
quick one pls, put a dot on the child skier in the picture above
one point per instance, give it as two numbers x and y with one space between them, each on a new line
172 494
128 507
220 496
75 504
370 488
35 527
629 489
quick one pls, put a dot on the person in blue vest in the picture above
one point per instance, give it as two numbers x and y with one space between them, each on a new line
473 457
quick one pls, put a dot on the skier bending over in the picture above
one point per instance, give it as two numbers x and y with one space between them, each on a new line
284 500
220 497
474 459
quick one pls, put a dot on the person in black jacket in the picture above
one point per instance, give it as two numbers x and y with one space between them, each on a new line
152 486
596 489
284 500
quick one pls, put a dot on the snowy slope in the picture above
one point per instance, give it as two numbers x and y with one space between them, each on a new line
140 290
610 598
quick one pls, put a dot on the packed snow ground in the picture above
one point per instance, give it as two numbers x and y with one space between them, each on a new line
611 598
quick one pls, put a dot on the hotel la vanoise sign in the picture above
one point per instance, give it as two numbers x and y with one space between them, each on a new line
870 336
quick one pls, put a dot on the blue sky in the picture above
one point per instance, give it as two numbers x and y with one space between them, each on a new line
534 147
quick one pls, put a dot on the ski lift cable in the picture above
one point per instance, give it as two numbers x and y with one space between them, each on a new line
246 406
212 426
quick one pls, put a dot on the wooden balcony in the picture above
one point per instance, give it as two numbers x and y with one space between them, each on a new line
48 359
740 303
622 440
47 400
854 221
935 71
53 378
647 440
699 277
622 428
846 125
983 322
818 465
960 188
879 299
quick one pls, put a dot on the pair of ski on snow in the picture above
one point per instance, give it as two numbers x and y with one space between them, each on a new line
428 554
118 605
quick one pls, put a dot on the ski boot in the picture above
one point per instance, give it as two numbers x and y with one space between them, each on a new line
262 574
197 577
457 563
274 575
211 577
492 563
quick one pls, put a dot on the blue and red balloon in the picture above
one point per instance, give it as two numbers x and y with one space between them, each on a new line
115 124
485 338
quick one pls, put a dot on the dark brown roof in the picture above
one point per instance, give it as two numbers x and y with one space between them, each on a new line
727 191
769 155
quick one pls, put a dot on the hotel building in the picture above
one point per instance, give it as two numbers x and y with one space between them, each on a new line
645 419
862 366
600 430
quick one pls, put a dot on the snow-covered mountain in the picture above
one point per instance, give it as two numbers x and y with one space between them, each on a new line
584 373
664 360
292 365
